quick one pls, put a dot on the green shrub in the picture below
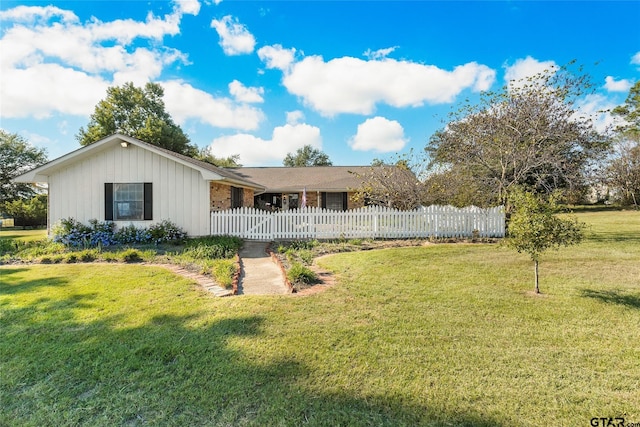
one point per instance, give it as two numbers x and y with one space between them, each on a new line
7 246
213 247
131 255
223 271
166 231
299 274
306 256
88 255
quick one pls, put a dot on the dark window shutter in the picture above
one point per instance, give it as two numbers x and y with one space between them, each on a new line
148 201
345 201
323 195
108 201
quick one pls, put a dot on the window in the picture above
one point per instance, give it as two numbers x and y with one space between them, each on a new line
334 201
237 194
128 201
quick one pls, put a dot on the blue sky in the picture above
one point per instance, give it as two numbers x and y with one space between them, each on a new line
358 80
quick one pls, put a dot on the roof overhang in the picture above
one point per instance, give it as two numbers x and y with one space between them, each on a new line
42 173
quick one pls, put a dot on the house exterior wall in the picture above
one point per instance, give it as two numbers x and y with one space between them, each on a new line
220 197
180 194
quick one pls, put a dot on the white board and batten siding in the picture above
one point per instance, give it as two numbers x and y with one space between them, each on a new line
367 222
180 194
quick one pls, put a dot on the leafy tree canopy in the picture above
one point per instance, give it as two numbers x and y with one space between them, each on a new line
630 113
28 212
306 156
529 134
17 156
622 172
136 112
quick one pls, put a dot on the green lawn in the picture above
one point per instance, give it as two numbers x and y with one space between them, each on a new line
24 235
438 335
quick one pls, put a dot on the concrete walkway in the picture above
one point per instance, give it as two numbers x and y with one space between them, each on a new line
259 275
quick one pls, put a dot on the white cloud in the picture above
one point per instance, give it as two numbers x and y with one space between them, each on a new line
351 85
379 134
635 59
380 53
235 39
33 14
51 62
256 151
617 86
277 57
190 7
185 102
246 94
39 91
524 68
295 117
597 108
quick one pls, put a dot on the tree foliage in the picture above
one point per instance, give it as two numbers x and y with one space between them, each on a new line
534 226
528 134
17 156
206 155
28 212
623 170
392 184
306 156
136 112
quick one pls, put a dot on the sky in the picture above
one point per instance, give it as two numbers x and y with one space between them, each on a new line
358 80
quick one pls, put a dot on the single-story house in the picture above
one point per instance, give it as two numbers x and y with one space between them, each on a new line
125 180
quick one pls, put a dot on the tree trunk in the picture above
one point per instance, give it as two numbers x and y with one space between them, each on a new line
535 268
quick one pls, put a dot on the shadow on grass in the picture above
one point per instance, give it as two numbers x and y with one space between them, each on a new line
8 288
613 237
613 297
60 370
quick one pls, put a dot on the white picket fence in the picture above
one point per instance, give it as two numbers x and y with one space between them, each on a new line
367 222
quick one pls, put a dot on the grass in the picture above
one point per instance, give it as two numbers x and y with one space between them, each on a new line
207 255
24 235
440 335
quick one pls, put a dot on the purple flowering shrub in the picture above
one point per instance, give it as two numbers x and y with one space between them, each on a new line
73 233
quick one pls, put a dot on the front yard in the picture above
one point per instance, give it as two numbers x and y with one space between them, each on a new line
436 335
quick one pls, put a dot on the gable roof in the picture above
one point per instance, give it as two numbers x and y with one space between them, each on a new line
208 171
313 178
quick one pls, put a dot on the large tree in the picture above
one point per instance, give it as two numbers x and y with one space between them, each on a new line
391 183
16 157
530 133
306 156
623 171
136 112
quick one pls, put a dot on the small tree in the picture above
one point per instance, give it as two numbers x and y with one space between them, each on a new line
306 156
534 227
